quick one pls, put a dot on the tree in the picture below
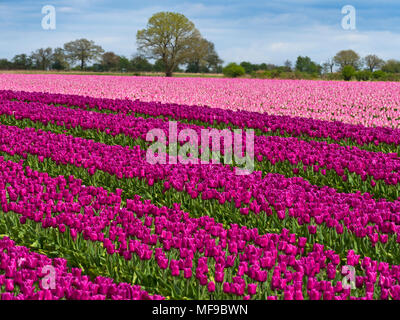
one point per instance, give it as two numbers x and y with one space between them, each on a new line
288 65
379 75
109 61
159 66
41 58
348 72
22 61
233 70
203 57
248 67
168 36
347 58
304 64
373 62
262 66
83 51
363 75
214 63
59 59
5 64
196 59
327 66
141 64
391 66
124 64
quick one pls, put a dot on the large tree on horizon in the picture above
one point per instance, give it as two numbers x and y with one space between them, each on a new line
83 51
347 58
169 37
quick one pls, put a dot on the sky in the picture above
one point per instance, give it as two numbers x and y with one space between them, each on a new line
255 31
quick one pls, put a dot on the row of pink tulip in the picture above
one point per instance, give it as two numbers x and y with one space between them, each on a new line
367 103
295 126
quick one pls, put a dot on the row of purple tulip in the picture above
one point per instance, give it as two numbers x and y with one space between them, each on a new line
290 198
321 156
27 275
234 261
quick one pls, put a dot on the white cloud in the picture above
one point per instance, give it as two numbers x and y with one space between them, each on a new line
67 10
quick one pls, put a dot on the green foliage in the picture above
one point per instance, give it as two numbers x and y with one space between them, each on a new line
347 58
233 70
22 62
82 51
141 64
248 67
124 64
379 75
391 66
42 58
304 64
348 72
59 59
169 37
5 64
110 61
363 75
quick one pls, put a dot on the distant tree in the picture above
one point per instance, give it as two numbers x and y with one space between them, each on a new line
379 75
41 58
159 66
168 36
348 72
203 58
233 70
363 75
391 66
141 64
262 66
327 66
304 64
373 62
5 64
124 64
288 65
22 61
271 67
248 67
213 61
59 60
109 61
196 61
83 51
347 58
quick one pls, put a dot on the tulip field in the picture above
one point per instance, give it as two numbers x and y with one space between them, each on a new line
84 215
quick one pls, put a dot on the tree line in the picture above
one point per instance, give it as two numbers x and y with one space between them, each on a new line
85 55
170 42
346 64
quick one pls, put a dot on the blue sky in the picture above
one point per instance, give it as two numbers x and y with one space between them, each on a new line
257 31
